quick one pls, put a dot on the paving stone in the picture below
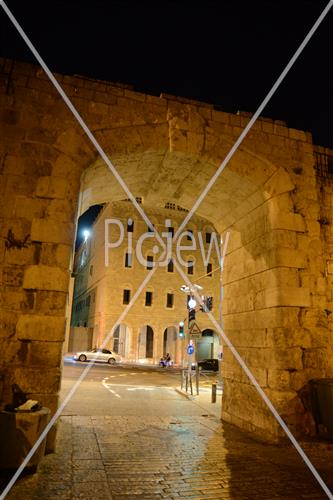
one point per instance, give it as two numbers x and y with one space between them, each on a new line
149 461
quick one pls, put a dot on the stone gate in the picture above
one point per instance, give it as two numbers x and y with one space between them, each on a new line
278 277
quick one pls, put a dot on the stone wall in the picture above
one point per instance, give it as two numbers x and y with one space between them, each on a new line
277 271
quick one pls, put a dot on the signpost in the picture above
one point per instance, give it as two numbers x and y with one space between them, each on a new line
190 349
193 334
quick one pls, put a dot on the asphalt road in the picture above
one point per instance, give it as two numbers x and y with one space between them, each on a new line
120 390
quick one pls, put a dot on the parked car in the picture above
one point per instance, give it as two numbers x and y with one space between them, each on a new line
98 355
208 364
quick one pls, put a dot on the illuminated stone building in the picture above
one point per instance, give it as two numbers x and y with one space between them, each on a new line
107 278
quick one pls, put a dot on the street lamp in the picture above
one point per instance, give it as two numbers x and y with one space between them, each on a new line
86 234
192 303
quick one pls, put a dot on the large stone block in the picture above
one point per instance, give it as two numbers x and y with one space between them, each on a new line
37 327
51 187
29 208
45 354
60 210
233 371
20 256
286 296
43 380
288 221
51 303
46 278
8 320
284 359
52 231
287 257
280 182
278 379
243 406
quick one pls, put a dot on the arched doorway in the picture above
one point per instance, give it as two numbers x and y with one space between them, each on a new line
208 345
169 342
146 343
121 340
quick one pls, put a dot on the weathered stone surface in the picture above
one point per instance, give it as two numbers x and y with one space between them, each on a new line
8 320
51 303
52 231
51 187
278 290
44 380
45 278
38 327
45 354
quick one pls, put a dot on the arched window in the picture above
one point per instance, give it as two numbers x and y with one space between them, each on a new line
149 342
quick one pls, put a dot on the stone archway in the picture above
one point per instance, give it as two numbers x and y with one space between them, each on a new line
146 343
121 340
170 342
166 150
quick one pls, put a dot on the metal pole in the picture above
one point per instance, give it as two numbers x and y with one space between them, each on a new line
196 366
221 286
213 393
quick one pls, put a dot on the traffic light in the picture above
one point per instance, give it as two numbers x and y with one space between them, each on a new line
207 304
181 329
191 315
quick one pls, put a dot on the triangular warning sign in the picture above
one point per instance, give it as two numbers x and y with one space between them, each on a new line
194 329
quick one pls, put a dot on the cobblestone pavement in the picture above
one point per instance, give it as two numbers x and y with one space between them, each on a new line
170 457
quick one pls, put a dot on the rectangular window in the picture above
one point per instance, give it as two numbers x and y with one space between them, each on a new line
130 226
208 237
170 266
190 268
126 296
209 269
150 262
169 300
149 298
171 230
128 260
188 237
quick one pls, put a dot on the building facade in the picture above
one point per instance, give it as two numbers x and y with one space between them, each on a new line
115 259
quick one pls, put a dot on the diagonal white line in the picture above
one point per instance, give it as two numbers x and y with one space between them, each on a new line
80 120
255 117
260 391
74 388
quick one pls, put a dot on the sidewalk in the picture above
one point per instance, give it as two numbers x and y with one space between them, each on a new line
204 399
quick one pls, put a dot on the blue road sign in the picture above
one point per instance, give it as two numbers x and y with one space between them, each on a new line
190 349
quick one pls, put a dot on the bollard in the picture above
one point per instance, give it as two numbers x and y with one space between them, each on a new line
213 393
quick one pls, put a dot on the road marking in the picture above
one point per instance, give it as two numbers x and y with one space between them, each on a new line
138 388
110 390
133 385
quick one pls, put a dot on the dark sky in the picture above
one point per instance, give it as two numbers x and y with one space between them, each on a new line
223 52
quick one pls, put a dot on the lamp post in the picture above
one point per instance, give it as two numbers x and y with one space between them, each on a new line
191 305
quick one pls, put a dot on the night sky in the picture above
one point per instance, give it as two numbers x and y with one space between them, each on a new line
227 53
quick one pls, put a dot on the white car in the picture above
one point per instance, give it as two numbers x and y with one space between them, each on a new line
98 355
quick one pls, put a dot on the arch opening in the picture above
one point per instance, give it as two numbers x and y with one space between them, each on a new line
276 267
